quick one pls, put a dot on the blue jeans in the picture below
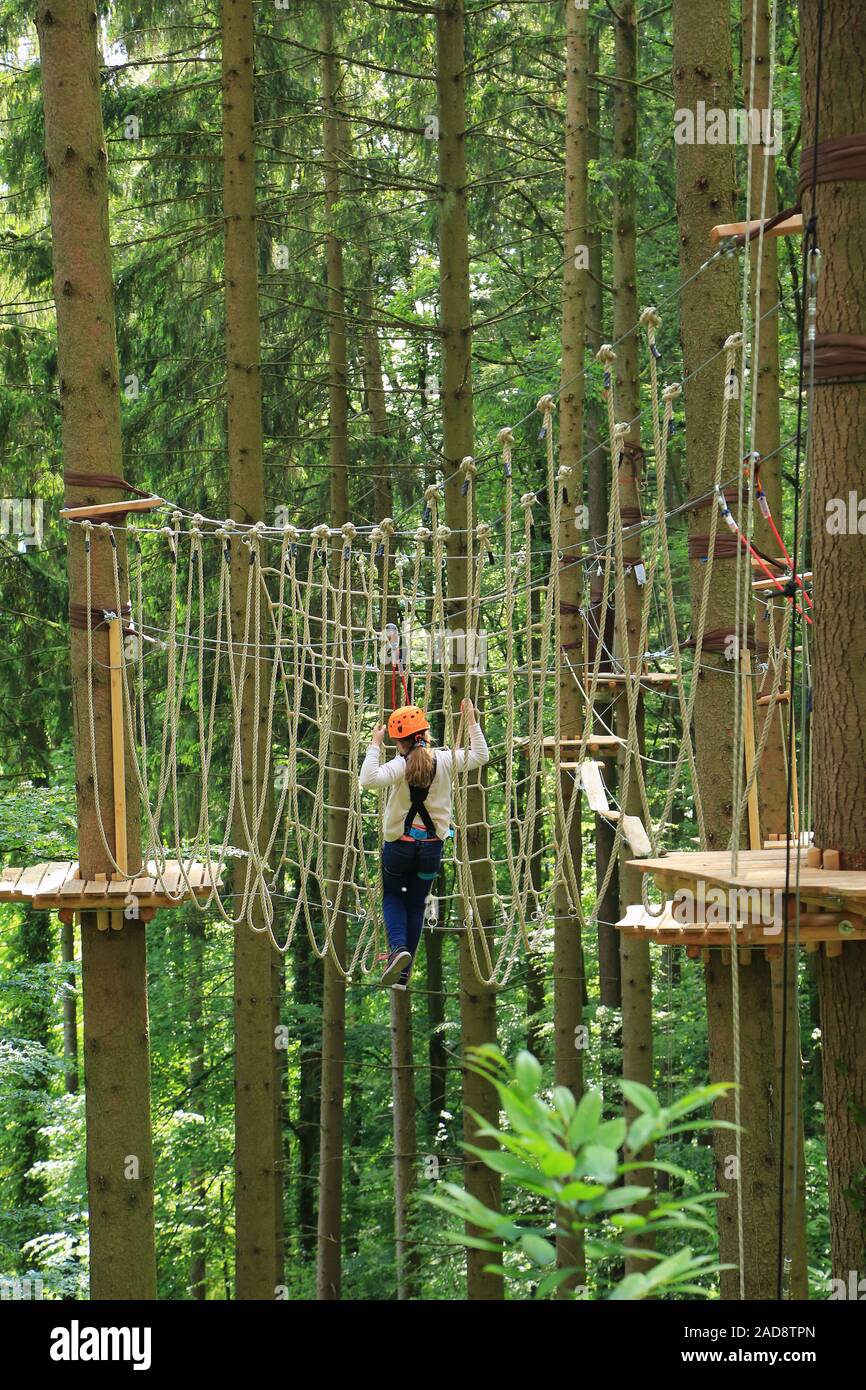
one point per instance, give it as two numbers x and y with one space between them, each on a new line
408 870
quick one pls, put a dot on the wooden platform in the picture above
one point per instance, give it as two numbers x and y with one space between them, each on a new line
830 929
617 680
602 745
57 887
832 901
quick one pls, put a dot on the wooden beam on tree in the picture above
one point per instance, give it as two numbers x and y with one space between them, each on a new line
792 226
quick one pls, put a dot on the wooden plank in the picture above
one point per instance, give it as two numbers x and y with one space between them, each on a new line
136 504
760 584
30 880
9 883
119 887
590 778
56 874
791 226
749 746
171 879
635 834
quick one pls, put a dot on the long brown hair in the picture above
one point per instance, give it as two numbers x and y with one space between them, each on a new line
420 764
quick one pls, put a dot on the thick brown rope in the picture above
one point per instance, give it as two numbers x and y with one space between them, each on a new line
102 480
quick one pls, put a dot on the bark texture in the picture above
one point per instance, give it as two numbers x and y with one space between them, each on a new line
710 313
839 563
331 1140
114 965
477 1004
568 975
257 1147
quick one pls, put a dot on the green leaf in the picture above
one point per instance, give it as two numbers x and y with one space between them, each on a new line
611 1135
624 1197
586 1119
600 1163
539 1250
641 1131
641 1097
557 1163
565 1102
527 1073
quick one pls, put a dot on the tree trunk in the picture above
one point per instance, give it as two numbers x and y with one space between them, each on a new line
759 1119
405 1141
477 1003
773 773
257 1147
568 977
635 964
113 962
437 1052
195 930
308 992
334 994
598 484
30 949
838 439
709 314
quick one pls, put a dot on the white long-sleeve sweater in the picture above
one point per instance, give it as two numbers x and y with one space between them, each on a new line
392 775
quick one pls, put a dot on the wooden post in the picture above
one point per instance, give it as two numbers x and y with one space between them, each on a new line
115 659
755 841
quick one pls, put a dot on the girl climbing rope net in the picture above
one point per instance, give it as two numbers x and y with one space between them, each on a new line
416 822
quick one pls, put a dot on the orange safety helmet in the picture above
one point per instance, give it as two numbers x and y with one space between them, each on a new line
406 721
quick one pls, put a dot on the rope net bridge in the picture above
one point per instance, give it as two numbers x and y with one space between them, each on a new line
278 690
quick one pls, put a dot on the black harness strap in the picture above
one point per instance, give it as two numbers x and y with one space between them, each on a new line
417 797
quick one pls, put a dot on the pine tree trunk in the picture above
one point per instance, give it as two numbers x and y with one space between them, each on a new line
113 962
195 930
405 1141
477 1004
598 486
402 1059
329 1273
709 314
635 964
568 977
773 774
374 386
838 446
257 1147
437 1053
308 993
30 950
